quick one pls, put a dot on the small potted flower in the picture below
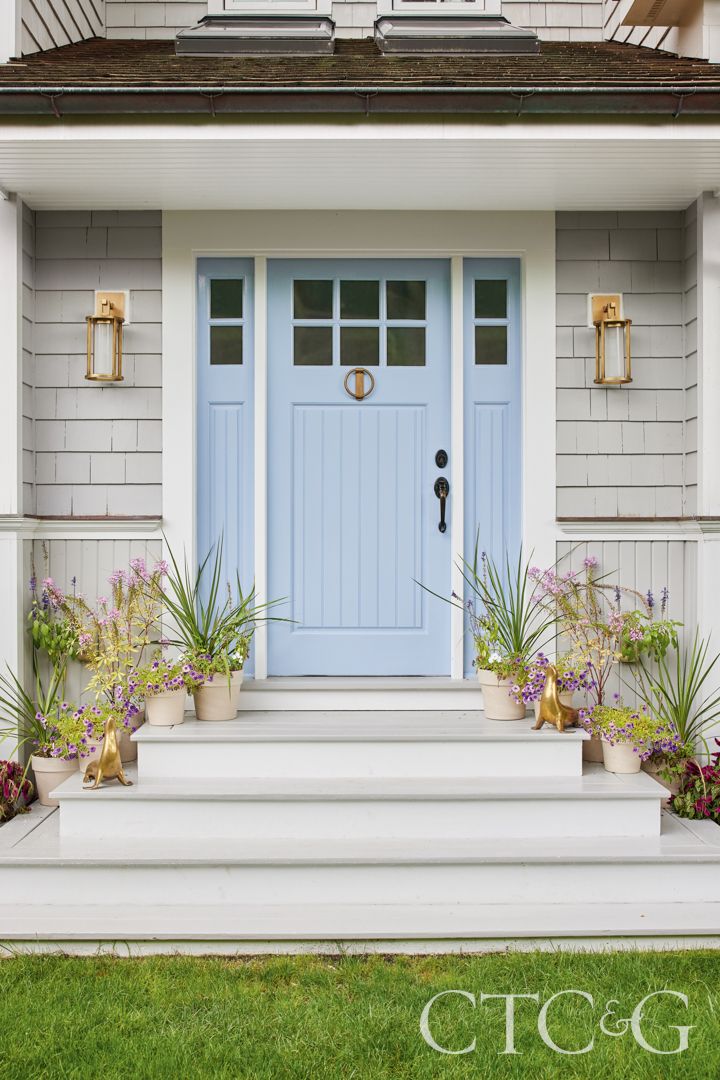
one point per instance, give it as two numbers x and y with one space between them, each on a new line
572 677
36 723
213 629
164 685
629 736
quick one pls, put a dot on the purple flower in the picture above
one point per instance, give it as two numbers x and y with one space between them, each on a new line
650 600
590 562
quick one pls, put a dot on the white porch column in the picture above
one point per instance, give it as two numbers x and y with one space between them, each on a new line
11 544
10 39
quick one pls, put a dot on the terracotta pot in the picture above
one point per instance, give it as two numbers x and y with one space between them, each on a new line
218 701
567 697
166 709
497 703
592 749
128 749
49 774
621 758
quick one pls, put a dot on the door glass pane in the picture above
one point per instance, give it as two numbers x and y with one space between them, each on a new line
226 298
491 344
360 345
313 299
226 344
406 346
359 299
406 299
312 346
491 299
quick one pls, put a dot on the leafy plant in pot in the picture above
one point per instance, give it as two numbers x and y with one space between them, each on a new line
163 685
573 676
683 697
214 629
629 736
34 723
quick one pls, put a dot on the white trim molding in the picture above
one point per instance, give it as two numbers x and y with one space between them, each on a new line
33 528
11 307
188 235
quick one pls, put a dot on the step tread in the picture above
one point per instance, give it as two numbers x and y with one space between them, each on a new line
333 922
359 726
595 783
355 683
676 844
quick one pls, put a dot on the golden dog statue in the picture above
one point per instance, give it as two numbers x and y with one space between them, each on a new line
109 764
552 710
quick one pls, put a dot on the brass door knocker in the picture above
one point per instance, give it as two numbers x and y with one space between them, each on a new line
359 391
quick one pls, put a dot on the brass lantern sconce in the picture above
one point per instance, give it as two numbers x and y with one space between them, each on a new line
613 361
105 337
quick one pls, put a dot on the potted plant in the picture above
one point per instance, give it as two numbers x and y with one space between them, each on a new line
629 736
213 631
683 697
16 791
34 724
642 633
163 685
572 676
508 624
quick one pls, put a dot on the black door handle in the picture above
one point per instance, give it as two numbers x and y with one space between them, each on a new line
442 490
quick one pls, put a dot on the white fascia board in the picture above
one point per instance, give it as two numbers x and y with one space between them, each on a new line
9 29
380 130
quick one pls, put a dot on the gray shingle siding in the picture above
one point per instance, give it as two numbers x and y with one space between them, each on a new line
97 448
621 451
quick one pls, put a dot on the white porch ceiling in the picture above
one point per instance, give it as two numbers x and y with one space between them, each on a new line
351 165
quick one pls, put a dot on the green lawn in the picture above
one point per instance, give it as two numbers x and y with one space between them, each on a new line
350 1018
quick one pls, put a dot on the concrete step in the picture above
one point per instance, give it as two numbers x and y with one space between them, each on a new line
431 809
408 743
679 867
322 693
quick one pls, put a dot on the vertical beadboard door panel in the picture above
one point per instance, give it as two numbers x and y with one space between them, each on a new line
352 515
225 379
493 413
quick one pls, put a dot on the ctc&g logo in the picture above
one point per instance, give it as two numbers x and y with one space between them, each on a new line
610 1024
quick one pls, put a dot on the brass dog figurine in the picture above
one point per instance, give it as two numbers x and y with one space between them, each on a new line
552 710
109 764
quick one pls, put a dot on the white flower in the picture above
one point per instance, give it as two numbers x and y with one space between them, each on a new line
495 658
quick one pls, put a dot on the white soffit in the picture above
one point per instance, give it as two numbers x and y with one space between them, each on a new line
356 166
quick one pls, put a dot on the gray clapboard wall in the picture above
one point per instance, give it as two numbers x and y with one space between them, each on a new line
621 449
97 448
49 24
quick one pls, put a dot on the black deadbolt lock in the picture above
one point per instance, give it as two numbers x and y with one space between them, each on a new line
441 459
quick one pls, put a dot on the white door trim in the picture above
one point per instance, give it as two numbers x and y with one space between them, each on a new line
260 456
188 235
457 457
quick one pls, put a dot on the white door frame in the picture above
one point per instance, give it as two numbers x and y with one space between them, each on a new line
189 235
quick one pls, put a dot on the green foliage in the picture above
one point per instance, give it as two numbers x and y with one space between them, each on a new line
213 625
681 693
642 634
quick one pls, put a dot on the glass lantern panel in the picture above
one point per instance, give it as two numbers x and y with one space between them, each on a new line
614 352
103 335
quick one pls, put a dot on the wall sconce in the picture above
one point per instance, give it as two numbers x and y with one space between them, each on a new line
105 337
612 342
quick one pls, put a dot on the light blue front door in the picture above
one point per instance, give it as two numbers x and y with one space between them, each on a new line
352 515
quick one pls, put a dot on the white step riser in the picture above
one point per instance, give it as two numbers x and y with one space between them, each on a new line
360 699
547 883
438 819
359 759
